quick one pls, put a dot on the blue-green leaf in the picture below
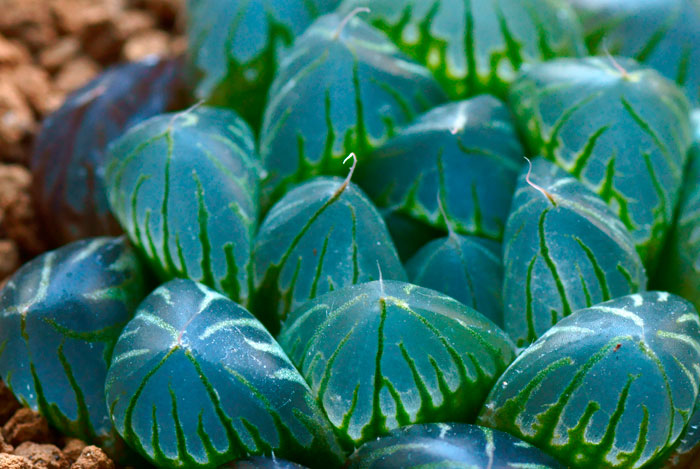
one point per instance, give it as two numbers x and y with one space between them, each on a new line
623 133
663 34
342 88
386 354
477 46
467 268
611 386
184 187
235 47
60 316
465 154
197 381
563 254
449 445
679 270
322 236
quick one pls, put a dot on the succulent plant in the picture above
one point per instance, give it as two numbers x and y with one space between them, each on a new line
565 250
663 34
454 154
477 46
467 268
322 236
184 187
611 386
60 316
680 270
343 87
70 151
197 381
385 354
449 445
623 130
235 47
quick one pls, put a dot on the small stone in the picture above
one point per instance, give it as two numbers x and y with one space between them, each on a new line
35 84
28 21
76 74
8 404
154 42
26 425
9 461
16 117
73 448
42 456
74 16
9 258
63 51
12 52
5 447
19 218
93 457
132 22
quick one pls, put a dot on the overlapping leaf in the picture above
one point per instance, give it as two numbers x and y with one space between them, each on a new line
196 381
184 187
477 46
386 354
60 316
342 88
70 151
611 386
466 155
624 131
449 445
322 236
564 251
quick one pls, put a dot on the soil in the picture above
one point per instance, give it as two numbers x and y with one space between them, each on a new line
48 49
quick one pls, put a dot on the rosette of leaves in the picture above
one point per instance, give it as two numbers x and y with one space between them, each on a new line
455 155
611 386
477 46
467 268
680 270
663 34
621 129
449 445
60 316
184 187
70 150
564 250
386 354
235 47
322 236
343 87
196 381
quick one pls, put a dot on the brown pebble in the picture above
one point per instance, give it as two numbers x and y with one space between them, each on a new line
19 219
35 84
131 22
43 456
10 461
16 117
93 457
8 404
76 74
9 258
5 447
73 448
154 42
26 425
63 51
12 52
29 21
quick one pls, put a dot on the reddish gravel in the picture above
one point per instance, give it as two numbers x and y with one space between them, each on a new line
49 48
